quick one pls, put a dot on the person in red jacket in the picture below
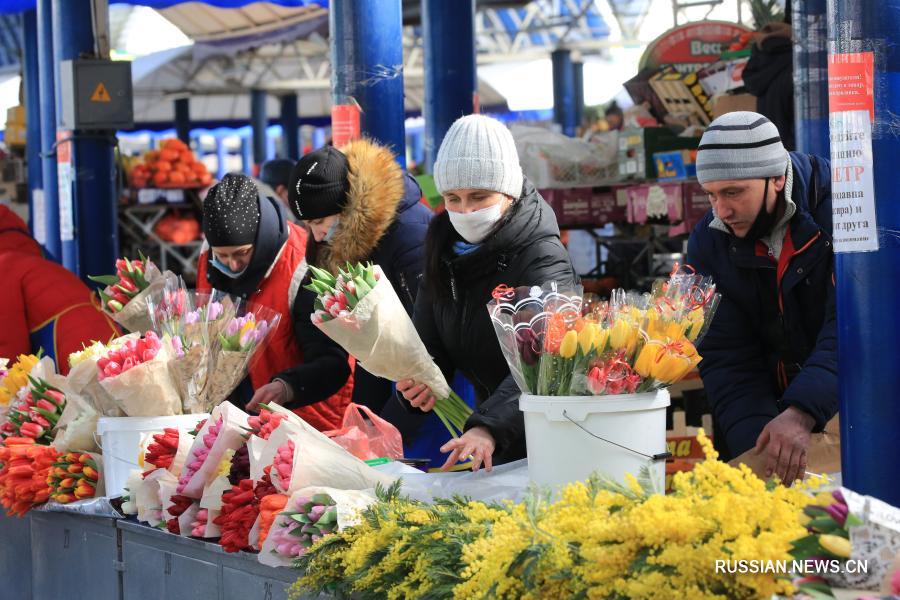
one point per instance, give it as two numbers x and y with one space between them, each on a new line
43 306
255 253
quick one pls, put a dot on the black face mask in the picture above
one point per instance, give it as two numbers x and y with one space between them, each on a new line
765 220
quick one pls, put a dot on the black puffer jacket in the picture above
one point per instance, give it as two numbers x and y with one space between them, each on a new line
451 308
769 75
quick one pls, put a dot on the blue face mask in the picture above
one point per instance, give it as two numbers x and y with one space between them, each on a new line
331 231
225 269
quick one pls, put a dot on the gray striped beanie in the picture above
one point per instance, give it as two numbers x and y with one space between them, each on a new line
740 145
478 153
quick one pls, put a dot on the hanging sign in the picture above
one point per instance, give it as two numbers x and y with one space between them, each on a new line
851 104
345 125
691 47
65 182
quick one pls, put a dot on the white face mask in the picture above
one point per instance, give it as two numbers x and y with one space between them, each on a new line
475 226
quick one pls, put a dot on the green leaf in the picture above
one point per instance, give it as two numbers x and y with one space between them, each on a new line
109 280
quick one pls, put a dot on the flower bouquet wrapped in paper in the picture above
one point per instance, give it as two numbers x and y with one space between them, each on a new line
83 377
138 379
223 431
76 476
13 378
359 309
36 412
127 292
235 347
311 514
24 469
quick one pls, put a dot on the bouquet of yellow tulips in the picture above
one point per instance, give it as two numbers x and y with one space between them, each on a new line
557 344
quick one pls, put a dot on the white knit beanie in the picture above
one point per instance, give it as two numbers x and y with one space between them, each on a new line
478 153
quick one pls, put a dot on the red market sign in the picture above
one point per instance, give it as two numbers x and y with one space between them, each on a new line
690 47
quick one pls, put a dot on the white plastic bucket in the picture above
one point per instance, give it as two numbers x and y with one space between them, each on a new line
563 436
120 442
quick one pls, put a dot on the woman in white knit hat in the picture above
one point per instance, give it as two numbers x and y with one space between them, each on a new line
496 230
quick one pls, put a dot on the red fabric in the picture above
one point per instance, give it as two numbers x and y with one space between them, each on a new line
46 306
14 234
283 351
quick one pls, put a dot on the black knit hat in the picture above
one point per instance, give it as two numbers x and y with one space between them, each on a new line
231 212
319 184
276 172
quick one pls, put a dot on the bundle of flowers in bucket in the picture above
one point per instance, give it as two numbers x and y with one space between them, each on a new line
359 309
594 375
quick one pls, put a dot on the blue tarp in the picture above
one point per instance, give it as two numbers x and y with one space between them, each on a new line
15 6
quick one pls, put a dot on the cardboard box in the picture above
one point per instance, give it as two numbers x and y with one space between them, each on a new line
607 207
675 166
733 103
696 204
637 147
574 206
723 76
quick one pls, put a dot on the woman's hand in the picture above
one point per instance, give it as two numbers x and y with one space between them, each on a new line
477 443
276 392
417 394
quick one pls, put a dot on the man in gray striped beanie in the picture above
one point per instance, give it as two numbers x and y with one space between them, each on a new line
743 166
769 363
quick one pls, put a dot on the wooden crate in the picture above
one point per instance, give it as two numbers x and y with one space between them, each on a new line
682 94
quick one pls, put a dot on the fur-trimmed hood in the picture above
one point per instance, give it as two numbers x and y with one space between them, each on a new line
377 190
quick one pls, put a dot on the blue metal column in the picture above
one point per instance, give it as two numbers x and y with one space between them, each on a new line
868 284
32 86
96 240
246 156
221 158
183 119
448 37
47 87
258 124
578 90
290 125
810 23
367 66
563 91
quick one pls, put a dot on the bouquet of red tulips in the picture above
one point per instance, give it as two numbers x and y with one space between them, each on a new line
126 293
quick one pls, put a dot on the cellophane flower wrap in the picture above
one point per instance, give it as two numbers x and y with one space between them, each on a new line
126 295
223 431
359 309
137 377
239 340
556 344
310 515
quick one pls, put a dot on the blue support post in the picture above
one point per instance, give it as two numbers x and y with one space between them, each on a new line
258 125
367 66
318 138
271 151
290 125
578 90
868 283
33 122
49 214
246 156
810 23
417 150
563 91
448 37
95 242
221 158
183 119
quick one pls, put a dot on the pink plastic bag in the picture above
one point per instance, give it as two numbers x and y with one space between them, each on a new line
367 438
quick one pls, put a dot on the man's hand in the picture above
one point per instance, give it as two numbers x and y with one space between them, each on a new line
477 443
276 392
417 394
785 440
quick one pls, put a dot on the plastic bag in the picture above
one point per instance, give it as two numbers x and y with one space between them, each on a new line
367 439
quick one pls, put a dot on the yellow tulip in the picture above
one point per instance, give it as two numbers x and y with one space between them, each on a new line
601 335
836 544
696 320
646 357
569 344
586 337
674 330
623 336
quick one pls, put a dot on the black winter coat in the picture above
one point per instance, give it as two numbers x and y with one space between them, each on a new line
451 312
769 75
771 346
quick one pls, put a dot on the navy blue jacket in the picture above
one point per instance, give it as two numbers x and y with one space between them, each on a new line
772 346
